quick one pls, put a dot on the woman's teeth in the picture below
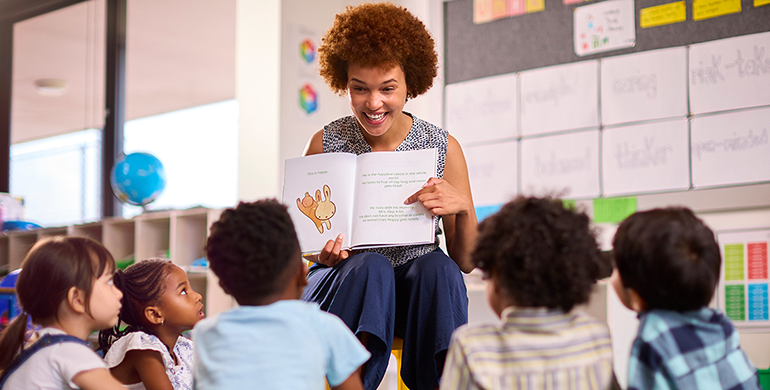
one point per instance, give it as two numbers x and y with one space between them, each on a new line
375 117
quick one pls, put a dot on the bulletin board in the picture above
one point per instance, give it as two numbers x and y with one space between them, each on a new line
540 39
685 108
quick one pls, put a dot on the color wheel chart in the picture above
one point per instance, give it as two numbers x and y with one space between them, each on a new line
743 282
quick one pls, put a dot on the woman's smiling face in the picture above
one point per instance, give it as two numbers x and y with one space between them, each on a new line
377 97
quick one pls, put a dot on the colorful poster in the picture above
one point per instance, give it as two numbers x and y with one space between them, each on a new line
707 9
743 285
663 14
604 26
488 10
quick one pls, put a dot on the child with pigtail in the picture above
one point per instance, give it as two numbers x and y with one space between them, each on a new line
158 305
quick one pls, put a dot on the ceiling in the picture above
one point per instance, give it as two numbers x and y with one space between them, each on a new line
179 54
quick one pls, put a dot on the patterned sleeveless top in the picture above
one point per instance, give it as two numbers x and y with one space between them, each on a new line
345 136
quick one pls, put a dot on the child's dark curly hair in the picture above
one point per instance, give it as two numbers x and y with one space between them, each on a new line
381 35
669 257
250 247
142 285
539 253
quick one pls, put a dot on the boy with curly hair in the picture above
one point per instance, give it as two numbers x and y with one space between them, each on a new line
540 260
667 268
272 340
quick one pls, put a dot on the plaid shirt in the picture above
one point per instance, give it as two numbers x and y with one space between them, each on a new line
531 349
698 349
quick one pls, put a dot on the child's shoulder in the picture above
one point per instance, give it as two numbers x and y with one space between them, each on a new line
661 325
134 341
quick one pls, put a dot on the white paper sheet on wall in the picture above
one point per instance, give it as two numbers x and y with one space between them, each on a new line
604 26
566 165
559 98
482 110
643 86
645 158
730 73
730 148
493 171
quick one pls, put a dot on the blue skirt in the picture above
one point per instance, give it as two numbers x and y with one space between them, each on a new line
422 301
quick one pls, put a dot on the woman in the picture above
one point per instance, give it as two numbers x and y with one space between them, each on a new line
380 55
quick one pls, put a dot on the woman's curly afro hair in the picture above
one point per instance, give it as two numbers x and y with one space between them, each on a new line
539 253
381 35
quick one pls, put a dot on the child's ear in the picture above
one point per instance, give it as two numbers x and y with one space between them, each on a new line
153 315
302 274
76 298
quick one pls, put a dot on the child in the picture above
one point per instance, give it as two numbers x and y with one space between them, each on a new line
540 260
272 339
158 305
667 269
66 287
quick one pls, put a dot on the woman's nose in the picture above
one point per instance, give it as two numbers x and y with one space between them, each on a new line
374 101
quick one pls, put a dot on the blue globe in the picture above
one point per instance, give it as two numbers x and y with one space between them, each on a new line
138 178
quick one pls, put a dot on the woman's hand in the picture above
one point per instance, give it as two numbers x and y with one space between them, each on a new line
441 198
332 253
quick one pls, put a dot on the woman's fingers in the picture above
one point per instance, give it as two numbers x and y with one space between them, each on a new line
332 252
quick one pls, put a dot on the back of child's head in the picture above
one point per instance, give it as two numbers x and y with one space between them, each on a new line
540 253
669 257
51 268
250 248
142 285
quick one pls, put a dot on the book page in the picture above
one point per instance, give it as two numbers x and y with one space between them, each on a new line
383 182
318 191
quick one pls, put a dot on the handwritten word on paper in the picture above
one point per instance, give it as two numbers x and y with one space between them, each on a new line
731 148
643 86
706 9
730 73
663 14
567 165
645 158
604 26
483 109
570 90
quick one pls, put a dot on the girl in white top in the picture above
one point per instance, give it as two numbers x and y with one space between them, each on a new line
158 305
65 287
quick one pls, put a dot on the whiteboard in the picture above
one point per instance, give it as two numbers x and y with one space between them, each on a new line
559 98
730 148
730 73
646 158
493 172
642 86
482 110
566 165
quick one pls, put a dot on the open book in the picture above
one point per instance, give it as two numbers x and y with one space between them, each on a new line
361 197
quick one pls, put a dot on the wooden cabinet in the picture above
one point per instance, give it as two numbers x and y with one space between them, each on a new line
179 235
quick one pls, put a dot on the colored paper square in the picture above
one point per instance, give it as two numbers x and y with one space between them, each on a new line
613 209
735 302
756 256
535 5
758 310
706 9
757 3
663 14
733 261
482 11
572 1
516 7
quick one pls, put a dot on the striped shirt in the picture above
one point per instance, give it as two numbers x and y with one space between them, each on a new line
532 348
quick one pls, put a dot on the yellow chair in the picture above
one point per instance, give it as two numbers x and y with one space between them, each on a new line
397 350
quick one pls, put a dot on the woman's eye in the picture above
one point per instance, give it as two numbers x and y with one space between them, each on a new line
184 292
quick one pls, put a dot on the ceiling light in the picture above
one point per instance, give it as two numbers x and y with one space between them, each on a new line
51 87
